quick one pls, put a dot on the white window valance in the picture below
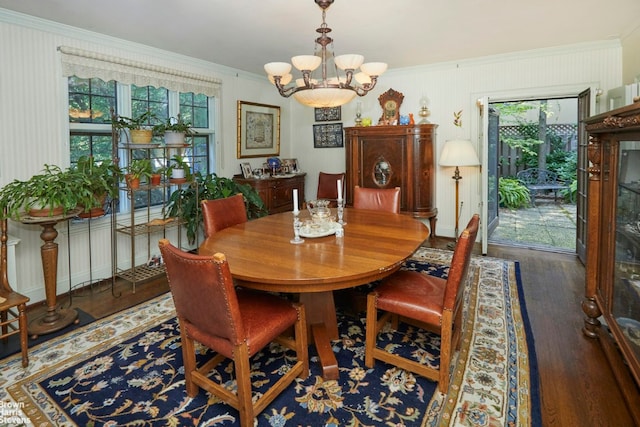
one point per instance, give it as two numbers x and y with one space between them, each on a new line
86 64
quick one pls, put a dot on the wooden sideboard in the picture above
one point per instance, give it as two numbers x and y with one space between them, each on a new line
395 156
275 192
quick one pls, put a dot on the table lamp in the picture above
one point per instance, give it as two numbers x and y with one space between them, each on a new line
458 152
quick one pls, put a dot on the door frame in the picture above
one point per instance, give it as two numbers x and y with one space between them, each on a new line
572 90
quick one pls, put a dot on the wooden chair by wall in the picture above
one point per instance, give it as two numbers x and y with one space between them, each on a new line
13 305
218 214
234 323
384 199
429 302
328 186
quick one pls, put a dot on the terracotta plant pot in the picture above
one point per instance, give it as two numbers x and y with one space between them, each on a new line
155 179
132 182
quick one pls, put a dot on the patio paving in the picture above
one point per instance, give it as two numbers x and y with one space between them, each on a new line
549 225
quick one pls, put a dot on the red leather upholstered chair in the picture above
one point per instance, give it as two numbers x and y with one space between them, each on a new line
328 186
432 303
235 323
13 305
218 214
383 199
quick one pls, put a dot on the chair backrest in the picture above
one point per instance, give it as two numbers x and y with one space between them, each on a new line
328 185
381 199
219 214
460 264
204 296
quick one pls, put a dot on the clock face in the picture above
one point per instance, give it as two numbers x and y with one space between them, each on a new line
390 108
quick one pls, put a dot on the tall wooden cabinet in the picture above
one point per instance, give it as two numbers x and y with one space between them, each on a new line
395 156
612 302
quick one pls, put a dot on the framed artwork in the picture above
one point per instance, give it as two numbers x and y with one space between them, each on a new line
258 130
246 170
289 165
328 135
328 114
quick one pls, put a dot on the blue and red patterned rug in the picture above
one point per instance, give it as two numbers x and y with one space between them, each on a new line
127 370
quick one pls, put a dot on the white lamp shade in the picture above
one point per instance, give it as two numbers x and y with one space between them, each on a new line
362 78
349 61
324 97
374 68
277 68
458 152
284 80
306 62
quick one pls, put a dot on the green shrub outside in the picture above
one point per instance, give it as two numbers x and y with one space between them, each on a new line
512 194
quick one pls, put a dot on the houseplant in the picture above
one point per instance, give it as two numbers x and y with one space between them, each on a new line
179 169
174 130
139 130
52 192
100 178
138 169
184 202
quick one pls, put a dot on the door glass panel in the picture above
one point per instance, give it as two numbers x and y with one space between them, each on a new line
626 290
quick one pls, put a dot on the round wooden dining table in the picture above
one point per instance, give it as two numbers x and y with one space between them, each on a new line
261 256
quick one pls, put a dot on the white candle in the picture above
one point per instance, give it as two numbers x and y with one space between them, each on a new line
339 189
295 200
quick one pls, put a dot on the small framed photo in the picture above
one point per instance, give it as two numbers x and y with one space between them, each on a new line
246 170
290 165
328 135
328 114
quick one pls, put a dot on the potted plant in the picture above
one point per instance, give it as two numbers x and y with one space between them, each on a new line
184 202
99 179
179 169
138 169
139 130
174 130
50 193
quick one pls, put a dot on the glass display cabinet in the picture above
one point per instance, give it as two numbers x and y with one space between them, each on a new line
612 302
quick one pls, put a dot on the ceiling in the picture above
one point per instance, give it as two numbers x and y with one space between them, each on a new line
245 34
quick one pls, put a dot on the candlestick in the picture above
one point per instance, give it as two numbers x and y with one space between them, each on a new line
339 184
295 200
296 229
341 212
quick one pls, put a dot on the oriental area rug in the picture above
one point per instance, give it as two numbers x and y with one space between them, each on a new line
127 370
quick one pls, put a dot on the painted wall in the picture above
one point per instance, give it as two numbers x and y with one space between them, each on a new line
630 57
34 121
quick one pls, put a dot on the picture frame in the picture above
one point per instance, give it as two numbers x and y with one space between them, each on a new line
289 165
258 130
328 135
246 170
328 114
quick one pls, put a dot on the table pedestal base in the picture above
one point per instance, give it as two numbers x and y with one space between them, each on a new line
322 326
52 322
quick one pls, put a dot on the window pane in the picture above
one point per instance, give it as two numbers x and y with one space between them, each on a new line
90 144
195 109
91 100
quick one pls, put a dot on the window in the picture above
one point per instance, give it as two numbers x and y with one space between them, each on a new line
92 100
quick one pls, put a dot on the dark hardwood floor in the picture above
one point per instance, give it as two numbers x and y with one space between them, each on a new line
576 383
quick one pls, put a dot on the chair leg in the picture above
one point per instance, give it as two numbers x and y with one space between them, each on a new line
446 351
189 361
302 345
243 379
24 344
371 327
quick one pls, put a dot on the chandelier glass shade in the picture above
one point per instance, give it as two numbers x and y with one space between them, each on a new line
321 85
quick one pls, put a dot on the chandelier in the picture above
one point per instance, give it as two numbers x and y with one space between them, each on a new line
325 90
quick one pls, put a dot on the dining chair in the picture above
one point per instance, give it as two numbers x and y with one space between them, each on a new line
13 305
383 199
218 214
235 323
328 186
429 302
